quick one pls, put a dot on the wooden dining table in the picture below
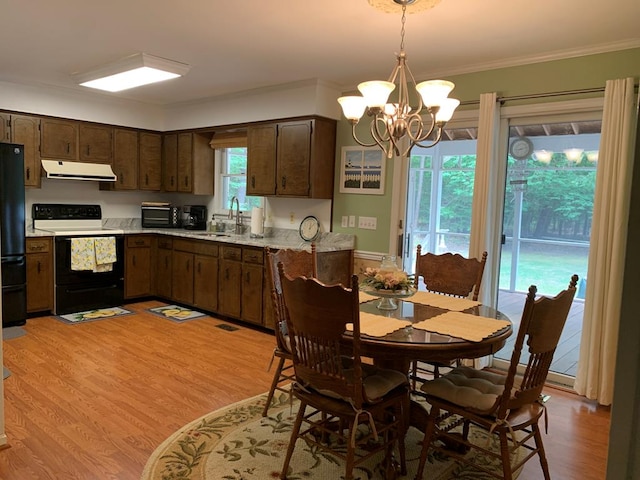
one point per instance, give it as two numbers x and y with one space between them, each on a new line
413 333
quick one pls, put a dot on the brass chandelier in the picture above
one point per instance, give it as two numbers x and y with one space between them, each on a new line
392 122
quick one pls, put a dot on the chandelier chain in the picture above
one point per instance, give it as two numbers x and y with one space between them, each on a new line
404 18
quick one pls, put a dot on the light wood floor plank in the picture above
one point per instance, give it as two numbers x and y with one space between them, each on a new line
92 401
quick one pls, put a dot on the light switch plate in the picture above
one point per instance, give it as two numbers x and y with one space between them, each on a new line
368 223
352 221
345 221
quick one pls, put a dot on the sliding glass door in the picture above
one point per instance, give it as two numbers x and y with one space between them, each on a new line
548 205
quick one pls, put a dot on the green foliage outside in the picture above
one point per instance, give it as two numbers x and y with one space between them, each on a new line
235 183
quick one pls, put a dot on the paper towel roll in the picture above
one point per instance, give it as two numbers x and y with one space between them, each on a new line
257 221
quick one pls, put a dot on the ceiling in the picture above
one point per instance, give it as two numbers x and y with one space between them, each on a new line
235 46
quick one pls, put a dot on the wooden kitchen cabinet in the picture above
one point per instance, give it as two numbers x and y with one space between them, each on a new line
252 284
241 283
59 139
25 130
137 267
5 129
230 281
125 160
187 163
95 143
150 161
292 159
164 266
39 258
195 273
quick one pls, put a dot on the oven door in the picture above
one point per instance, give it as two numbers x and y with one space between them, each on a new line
81 290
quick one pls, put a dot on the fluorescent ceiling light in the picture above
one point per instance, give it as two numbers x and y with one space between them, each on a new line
133 71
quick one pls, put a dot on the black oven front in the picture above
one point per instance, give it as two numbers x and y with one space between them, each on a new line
81 290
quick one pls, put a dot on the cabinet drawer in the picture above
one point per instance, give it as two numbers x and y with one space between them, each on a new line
40 245
206 248
232 253
252 256
166 243
138 241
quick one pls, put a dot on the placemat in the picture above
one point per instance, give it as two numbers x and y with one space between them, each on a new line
462 325
377 325
365 297
455 304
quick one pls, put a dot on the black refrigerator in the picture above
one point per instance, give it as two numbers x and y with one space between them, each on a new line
12 235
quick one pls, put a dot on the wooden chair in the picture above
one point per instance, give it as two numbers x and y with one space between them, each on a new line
296 263
332 382
448 274
500 404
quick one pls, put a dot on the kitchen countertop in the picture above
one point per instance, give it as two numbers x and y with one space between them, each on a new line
277 238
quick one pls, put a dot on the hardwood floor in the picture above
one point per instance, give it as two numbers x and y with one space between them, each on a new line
92 401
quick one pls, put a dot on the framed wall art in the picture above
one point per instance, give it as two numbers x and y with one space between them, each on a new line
362 170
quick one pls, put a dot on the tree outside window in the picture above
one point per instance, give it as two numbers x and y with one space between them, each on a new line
234 179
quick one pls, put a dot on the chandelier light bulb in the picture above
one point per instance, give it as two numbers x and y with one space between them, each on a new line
353 107
447 107
574 154
433 92
543 156
376 92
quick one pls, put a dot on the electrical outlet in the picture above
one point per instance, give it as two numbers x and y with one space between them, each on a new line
291 217
368 223
345 221
352 221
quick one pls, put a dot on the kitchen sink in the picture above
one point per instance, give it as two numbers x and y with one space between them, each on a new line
211 234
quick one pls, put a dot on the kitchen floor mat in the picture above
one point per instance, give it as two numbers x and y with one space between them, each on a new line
91 315
176 313
5 372
9 333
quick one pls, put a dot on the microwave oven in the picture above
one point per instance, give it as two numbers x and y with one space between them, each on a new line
160 216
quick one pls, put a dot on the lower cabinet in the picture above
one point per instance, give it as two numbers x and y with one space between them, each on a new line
137 266
241 282
195 273
164 267
39 274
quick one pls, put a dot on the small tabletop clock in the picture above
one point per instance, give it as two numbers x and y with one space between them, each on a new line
309 228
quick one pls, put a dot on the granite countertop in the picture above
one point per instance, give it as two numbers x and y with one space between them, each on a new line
277 238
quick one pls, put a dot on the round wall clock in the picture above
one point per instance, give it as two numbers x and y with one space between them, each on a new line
521 148
309 228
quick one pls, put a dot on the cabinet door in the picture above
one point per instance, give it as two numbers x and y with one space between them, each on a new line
261 160
125 159
230 284
150 169
39 274
137 268
26 130
96 143
59 139
182 286
252 281
205 283
185 162
164 272
5 130
294 156
169 162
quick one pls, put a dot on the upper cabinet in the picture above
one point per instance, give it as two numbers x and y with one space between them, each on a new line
150 161
292 159
125 159
96 143
59 139
24 130
187 163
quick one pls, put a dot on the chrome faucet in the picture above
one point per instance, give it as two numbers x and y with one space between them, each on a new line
238 219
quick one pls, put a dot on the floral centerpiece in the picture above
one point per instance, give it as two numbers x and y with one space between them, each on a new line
388 282
394 280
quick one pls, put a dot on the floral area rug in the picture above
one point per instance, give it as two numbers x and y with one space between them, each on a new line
90 315
176 313
237 443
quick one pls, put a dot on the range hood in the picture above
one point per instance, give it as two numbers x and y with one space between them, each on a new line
98 172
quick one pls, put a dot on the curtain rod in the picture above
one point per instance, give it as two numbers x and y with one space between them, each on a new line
543 95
